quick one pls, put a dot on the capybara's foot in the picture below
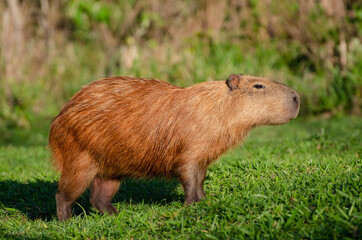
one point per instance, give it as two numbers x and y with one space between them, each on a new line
191 200
108 208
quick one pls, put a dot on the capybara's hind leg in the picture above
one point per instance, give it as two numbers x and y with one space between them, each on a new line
75 178
63 206
102 192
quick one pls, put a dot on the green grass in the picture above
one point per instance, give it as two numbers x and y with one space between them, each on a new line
300 180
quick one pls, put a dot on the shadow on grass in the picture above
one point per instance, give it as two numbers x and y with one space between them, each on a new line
36 199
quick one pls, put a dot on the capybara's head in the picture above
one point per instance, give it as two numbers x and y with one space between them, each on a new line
263 101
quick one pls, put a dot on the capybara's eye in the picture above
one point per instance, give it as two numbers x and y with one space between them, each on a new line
258 86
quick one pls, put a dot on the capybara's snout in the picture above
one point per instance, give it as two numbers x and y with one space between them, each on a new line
286 108
294 105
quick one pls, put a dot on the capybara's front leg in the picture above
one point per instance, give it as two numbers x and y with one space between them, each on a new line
192 179
102 192
200 183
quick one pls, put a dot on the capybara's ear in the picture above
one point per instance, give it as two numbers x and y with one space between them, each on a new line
233 82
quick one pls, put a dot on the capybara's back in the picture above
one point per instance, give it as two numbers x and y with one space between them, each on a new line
132 127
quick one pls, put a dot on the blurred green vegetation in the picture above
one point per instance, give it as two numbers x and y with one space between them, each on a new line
49 49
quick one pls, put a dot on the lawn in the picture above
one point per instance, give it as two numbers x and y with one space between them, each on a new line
300 180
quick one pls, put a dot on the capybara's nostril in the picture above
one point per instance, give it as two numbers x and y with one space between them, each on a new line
296 99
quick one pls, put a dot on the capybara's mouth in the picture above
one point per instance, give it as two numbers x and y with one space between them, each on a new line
294 117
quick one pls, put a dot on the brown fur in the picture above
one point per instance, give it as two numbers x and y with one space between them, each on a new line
132 127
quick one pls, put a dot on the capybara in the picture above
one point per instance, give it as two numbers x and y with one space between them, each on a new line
125 127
